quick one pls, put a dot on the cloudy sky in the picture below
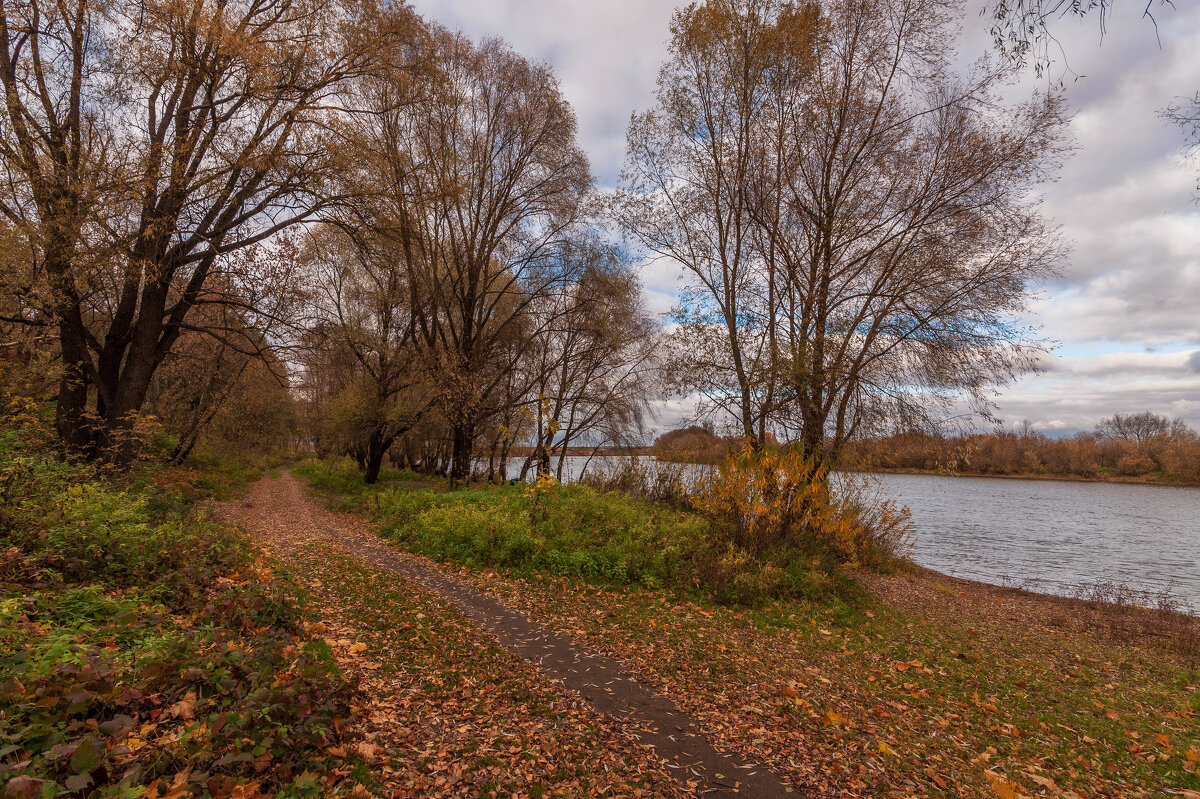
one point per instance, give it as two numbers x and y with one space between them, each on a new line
1126 310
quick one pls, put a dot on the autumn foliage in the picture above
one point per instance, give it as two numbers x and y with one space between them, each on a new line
1127 446
778 499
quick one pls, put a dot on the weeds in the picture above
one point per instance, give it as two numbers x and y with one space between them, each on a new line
143 644
1130 612
662 482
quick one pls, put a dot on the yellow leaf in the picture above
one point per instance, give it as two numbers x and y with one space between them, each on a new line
887 750
833 717
1001 786
357 648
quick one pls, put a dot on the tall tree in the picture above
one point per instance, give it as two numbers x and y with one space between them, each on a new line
482 183
686 181
56 146
890 240
218 110
898 218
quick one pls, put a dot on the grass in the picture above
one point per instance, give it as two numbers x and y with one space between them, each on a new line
604 538
860 697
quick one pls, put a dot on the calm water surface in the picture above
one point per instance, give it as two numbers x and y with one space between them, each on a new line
1047 535
1054 535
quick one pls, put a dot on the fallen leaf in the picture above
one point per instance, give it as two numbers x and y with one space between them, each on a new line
185 708
1045 782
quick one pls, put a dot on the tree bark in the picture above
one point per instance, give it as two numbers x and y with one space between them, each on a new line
460 457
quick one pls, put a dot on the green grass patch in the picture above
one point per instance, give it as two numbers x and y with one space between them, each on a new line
605 538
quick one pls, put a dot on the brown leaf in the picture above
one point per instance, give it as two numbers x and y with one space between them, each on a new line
23 787
178 788
1045 782
185 708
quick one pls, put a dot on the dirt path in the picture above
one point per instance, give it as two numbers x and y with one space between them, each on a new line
281 516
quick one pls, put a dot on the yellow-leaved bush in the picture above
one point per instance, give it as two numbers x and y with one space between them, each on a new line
776 499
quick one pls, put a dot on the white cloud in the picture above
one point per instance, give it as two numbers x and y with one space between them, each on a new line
1125 199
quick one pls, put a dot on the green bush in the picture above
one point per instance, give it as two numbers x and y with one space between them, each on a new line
140 640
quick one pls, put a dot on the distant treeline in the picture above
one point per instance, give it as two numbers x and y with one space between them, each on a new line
693 444
1138 446
1142 445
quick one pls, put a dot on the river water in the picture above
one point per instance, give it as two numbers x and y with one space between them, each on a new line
1053 536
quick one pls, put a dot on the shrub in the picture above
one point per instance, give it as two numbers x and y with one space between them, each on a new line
613 538
664 482
140 641
1133 464
777 500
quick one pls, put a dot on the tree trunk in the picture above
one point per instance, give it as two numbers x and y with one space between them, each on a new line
460 457
374 462
502 467
71 421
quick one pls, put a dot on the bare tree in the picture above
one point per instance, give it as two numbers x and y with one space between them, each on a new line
482 184
592 369
1136 427
898 220
686 181
890 239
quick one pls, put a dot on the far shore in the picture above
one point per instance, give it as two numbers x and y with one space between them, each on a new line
1066 478
1069 478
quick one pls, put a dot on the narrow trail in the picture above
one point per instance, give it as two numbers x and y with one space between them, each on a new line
294 520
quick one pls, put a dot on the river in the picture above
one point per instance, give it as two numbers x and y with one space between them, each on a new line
1053 536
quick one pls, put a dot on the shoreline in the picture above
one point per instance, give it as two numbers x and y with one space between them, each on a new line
914 569
919 586
1062 478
